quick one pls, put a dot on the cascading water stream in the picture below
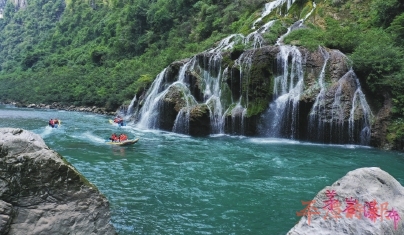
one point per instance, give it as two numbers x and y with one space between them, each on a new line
150 107
227 43
295 25
283 111
359 103
181 123
256 36
270 6
316 123
212 92
130 107
347 119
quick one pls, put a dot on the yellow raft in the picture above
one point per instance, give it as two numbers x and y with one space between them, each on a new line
123 143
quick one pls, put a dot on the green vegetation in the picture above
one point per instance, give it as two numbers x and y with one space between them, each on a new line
103 52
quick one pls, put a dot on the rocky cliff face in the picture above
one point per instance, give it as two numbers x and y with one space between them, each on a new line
365 201
274 91
40 193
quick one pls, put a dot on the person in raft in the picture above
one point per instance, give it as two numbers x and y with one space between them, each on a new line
123 137
52 123
114 138
119 120
56 123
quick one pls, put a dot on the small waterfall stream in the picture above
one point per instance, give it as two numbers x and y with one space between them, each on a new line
181 123
316 125
359 107
288 88
150 107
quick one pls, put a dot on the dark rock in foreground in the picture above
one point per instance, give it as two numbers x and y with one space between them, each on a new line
40 193
366 201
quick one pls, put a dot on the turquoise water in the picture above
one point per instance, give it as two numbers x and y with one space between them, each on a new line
175 184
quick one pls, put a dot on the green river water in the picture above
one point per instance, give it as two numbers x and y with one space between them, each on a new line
175 184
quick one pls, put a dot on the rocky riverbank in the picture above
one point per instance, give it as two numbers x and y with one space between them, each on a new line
41 193
55 105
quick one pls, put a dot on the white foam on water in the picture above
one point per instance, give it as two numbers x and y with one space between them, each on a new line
46 131
90 137
273 141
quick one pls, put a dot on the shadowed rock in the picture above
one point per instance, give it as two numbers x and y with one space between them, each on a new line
41 193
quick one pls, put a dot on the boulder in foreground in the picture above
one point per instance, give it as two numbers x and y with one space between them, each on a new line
365 201
41 193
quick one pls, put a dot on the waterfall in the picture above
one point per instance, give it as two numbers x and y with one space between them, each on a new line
130 107
256 36
237 116
359 104
245 63
283 112
309 14
316 123
340 113
181 123
295 25
337 127
238 110
150 108
270 6
336 114
227 43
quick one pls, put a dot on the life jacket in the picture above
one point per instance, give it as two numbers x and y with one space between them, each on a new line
114 137
123 137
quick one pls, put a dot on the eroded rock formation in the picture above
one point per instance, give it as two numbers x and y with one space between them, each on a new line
41 193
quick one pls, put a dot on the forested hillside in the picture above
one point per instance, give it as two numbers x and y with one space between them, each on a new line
102 52
99 52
